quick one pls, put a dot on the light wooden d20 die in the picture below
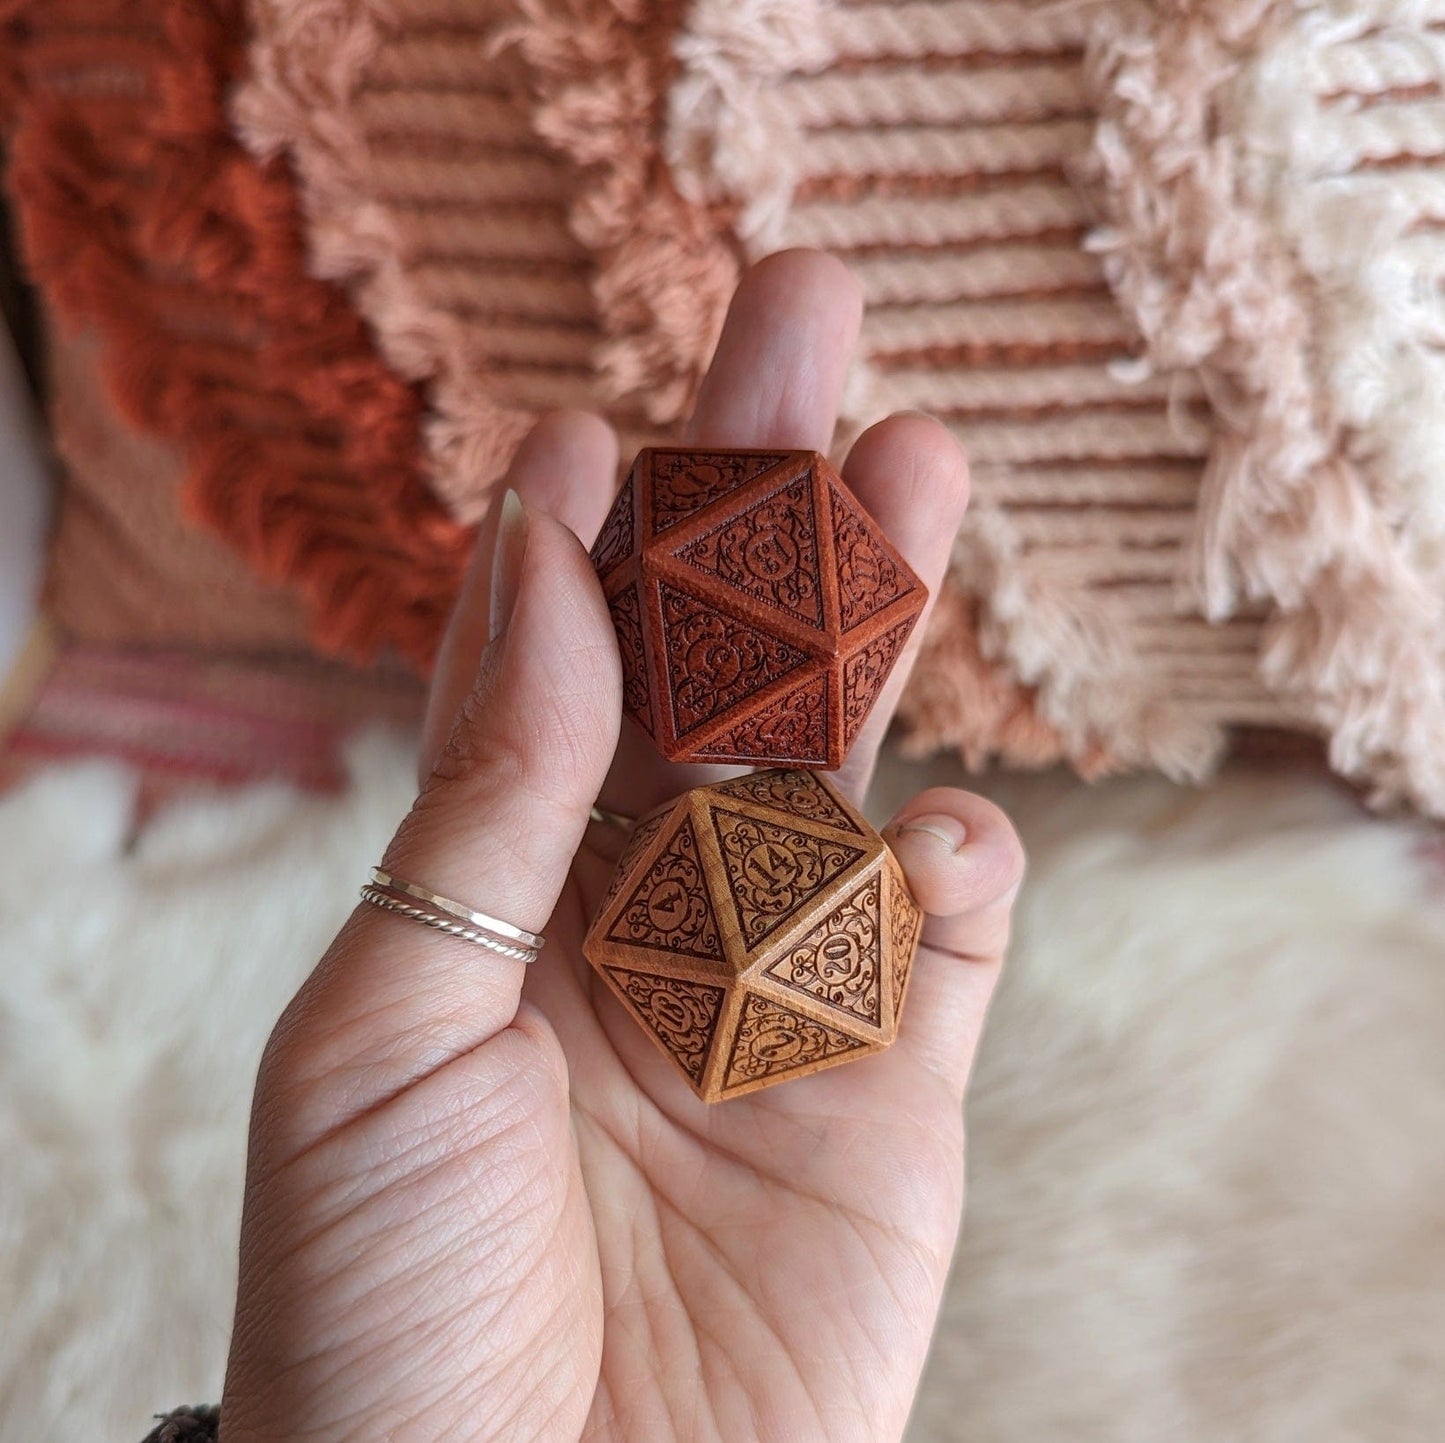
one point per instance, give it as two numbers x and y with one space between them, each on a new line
758 930
758 608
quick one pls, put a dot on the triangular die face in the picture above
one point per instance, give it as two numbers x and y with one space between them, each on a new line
838 963
902 966
616 541
864 675
714 660
772 1041
626 609
792 729
905 925
769 553
797 793
870 576
683 482
637 843
682 1015
774 872
670 910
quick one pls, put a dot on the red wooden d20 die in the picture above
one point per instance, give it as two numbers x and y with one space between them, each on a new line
758 607
758 930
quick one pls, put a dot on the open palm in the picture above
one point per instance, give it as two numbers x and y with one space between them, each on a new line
472 1217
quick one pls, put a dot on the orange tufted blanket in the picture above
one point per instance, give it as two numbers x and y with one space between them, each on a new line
142 217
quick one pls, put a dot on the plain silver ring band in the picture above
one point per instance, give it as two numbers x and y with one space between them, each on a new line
480 920
620 820
378 898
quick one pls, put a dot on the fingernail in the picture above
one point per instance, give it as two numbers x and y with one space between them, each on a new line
948 830
507 557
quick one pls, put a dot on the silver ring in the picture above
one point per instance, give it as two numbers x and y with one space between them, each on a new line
378 898
479 920
619 820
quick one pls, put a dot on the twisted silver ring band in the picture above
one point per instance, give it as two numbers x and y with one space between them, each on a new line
378 898
479 920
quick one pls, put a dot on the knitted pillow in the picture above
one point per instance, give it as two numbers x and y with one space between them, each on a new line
1168 270
141 217
177 657
125 567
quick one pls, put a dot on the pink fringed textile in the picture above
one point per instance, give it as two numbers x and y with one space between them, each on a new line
1098 241
1296 510
1159 266
932 146
1170 271
484 176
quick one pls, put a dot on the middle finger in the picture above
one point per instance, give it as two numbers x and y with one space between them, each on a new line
775 381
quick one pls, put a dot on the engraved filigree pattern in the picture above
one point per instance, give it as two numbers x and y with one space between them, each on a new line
773 870
774 1039
798 793
838 961
864 675
627 622
615 541
868 577
770 552
642 834
905 925
793 728
714 661
682 1014
669 910
683 482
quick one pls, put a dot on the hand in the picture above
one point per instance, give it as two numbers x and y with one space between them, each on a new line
480 1204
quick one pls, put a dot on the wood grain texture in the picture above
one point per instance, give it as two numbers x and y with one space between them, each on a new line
758 608
758 930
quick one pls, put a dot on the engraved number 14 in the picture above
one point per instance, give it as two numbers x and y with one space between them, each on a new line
772 867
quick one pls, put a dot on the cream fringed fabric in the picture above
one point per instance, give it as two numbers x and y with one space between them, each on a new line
939 151
1245 265
1170 271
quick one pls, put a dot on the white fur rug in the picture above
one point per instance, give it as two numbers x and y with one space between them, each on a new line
1208 1147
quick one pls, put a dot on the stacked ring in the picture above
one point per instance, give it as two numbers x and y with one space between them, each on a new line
406 899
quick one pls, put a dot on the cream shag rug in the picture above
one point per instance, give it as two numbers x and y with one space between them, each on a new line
1207 1172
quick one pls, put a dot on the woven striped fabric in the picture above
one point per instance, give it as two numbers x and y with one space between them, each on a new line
181 719
1171 273
937 148
465 169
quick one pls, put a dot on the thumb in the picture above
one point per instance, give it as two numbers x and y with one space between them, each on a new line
964 865
495 828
